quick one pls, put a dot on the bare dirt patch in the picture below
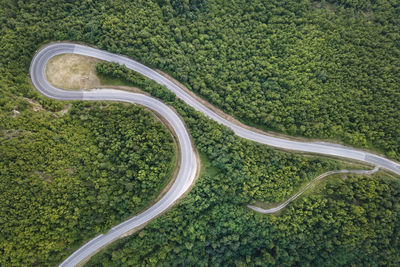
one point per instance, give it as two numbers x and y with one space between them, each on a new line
73 72
35 105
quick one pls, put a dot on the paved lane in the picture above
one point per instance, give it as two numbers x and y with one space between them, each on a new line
188 165
313 147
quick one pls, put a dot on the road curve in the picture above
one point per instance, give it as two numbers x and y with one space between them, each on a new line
189 166
188 163
286 202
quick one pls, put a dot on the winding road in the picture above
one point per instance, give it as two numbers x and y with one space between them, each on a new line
188 164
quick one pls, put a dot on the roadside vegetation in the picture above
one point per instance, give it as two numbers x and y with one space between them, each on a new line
346 221
319 69
352 222
67 177
315 69
258 171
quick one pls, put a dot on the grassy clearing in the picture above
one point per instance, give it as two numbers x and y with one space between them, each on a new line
73 72
77 72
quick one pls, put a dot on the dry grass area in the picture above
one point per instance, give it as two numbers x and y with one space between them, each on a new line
77 72
74 72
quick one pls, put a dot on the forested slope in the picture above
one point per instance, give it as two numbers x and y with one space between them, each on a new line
353 220
315 69
257 172
66 177
298 67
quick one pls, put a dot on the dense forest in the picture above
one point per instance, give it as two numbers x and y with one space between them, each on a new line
352 220
66 177
355 222
256 171
323 69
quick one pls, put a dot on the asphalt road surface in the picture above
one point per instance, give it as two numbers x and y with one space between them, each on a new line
188 164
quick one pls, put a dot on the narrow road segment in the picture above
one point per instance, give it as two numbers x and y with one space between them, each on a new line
286 202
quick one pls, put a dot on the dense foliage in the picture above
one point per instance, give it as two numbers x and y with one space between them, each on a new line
131 78
257 172
350 222
317 69
355 224
64 178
